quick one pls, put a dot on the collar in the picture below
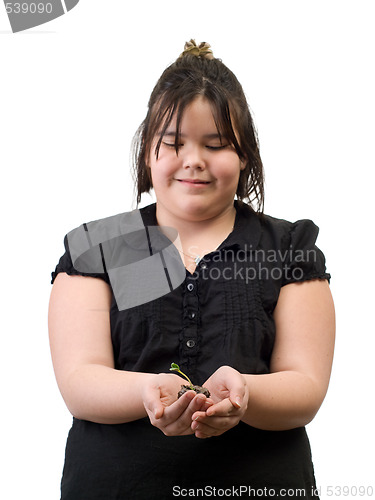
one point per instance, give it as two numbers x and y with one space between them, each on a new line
247 228
246 232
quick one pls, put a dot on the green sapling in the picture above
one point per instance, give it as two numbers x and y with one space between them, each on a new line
184 388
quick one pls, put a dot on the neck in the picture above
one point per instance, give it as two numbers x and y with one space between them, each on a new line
198 238
188 229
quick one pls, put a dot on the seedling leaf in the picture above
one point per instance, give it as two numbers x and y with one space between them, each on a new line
175 368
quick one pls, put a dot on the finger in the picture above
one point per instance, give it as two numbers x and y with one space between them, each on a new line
207 404
177 417
198 415
205 431
191 403
201 435
179 407
214 423
199 403
203 415
222 409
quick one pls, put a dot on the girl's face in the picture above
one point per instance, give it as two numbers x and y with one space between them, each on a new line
201 181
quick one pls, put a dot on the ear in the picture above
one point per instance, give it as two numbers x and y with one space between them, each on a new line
243 164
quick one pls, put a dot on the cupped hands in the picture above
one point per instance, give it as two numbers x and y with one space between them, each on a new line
194 413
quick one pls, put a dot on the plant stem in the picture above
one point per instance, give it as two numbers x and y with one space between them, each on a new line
174 367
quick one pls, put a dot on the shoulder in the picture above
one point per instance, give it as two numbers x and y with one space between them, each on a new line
86 245
90 236
273 231
290 246
301 232
109 227
119 223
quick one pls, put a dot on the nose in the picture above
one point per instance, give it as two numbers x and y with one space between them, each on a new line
193 158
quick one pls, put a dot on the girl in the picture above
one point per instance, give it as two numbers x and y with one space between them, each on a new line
238 299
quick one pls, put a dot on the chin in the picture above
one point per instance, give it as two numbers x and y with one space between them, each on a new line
196 211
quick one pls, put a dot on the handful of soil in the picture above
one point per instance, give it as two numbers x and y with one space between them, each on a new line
197 388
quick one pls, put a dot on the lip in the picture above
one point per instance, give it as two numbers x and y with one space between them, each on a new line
194 182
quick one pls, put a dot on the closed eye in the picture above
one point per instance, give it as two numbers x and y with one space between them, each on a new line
212 148
217 148
171 145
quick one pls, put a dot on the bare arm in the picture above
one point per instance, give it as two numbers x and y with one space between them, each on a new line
301 360
82 355
292 393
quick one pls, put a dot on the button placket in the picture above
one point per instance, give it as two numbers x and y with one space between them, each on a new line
190 321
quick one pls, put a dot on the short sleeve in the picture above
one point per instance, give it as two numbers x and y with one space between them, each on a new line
303 259
65 265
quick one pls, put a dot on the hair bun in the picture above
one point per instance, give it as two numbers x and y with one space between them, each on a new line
202 50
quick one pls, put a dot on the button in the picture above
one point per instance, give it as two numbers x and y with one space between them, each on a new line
190 287
203 265
190 343
192 315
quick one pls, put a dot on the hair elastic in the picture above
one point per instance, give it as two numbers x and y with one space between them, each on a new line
202 50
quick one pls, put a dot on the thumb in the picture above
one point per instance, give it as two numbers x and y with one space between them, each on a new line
152 403
237 394
158 410
236 401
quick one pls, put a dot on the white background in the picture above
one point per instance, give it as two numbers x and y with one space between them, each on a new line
72 94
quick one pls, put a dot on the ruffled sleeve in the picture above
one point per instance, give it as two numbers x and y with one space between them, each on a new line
65 265
303 260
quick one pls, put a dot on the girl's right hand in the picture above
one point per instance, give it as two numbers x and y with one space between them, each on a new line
167 412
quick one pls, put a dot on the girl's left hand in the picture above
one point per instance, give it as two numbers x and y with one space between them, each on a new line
229 394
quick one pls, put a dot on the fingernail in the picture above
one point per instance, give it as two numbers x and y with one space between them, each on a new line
238 402
196 418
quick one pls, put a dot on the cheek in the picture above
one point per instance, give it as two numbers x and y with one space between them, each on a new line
166 164
230 170
162 171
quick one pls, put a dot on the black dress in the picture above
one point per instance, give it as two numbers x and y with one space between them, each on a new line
220 315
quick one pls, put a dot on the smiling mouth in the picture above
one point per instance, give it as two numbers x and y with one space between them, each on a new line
193 181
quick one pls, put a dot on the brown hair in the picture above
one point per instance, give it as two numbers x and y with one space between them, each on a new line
197 73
